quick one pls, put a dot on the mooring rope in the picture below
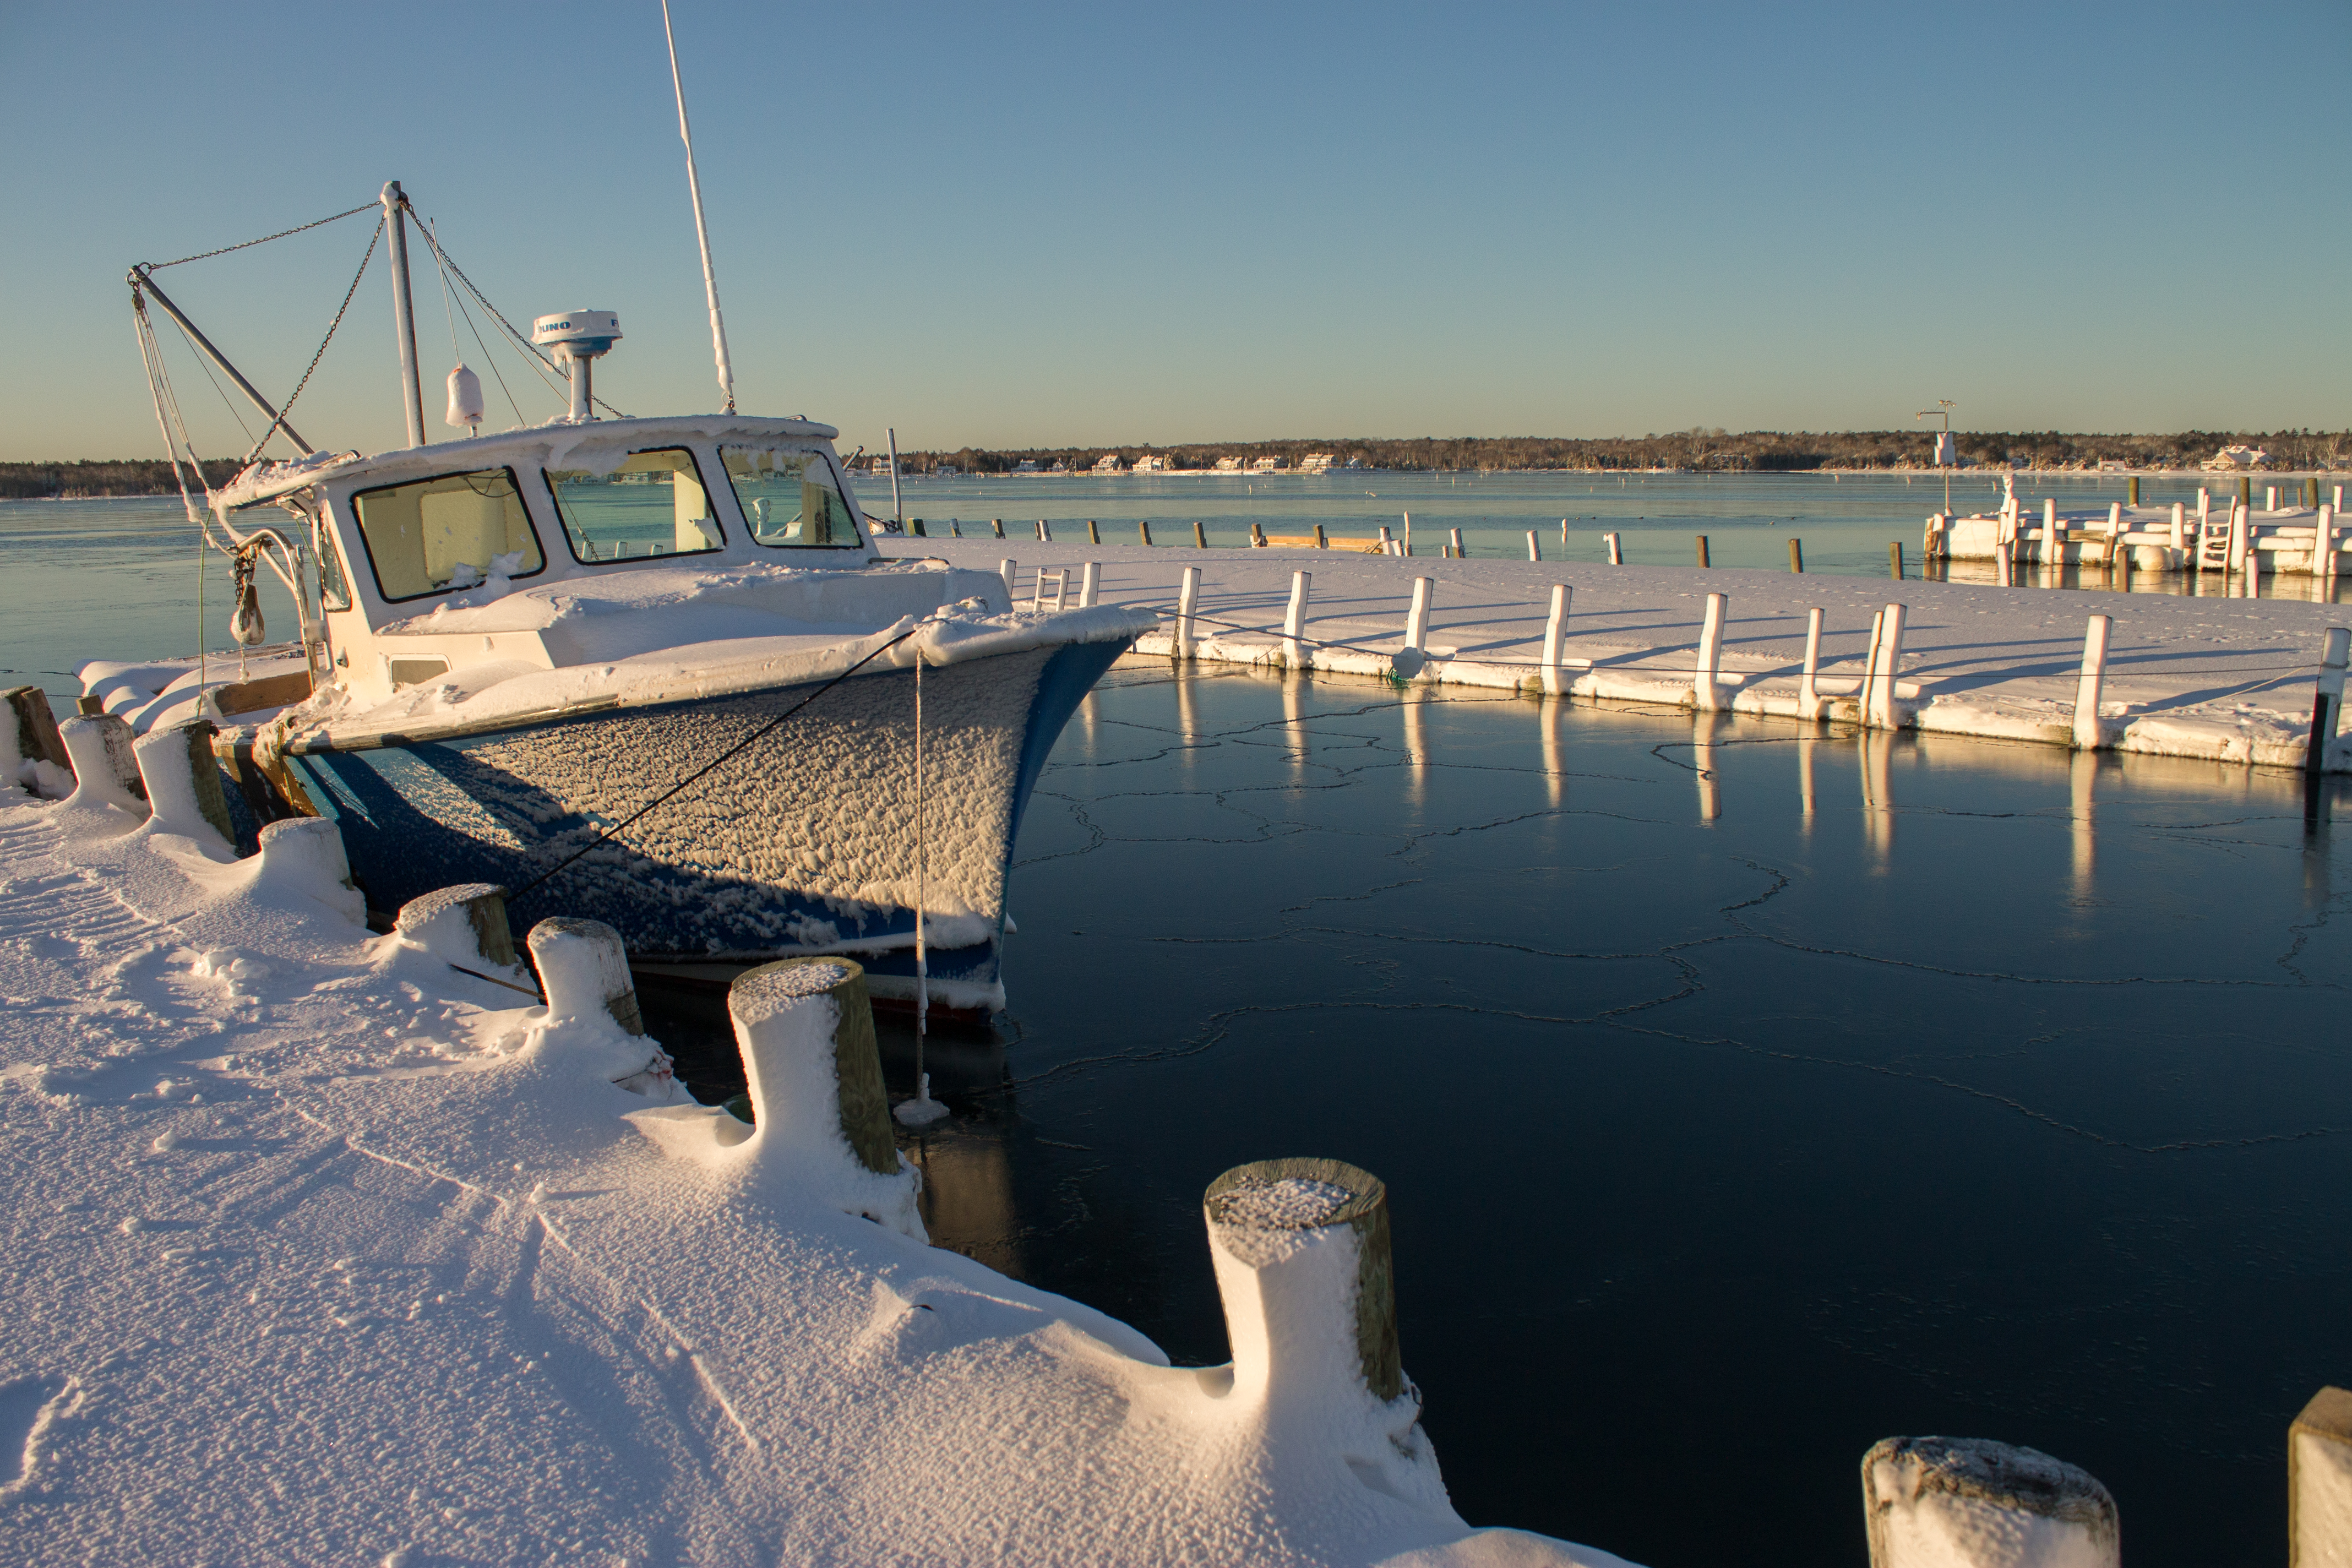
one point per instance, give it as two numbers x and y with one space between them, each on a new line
727 755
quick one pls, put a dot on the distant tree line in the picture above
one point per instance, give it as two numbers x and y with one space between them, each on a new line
68 481
1698 450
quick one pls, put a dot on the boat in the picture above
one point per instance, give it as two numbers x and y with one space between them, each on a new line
647 670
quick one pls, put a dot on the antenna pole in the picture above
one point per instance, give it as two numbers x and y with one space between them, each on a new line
403 313
701 233
897 507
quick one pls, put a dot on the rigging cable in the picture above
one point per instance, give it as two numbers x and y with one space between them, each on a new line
265 239
728 755
285 407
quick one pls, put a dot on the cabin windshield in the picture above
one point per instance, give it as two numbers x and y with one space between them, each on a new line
789 498
431 536
653 504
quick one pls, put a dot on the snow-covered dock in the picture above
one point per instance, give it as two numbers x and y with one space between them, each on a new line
2221 678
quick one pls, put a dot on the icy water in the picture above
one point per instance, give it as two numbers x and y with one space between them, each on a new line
1745 1094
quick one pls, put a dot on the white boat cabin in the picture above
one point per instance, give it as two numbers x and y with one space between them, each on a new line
402 535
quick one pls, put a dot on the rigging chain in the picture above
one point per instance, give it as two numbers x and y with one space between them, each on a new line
265 239
287 406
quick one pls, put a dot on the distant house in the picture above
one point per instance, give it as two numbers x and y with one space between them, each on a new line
1229 465
879 465
1025 466
2229 460
1152 463
1316 462
1059 467
1110 463
1267 466
947 468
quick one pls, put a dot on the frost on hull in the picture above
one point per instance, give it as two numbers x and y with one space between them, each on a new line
803 843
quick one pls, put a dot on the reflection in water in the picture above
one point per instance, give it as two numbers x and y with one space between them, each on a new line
1294 736
1710 793
1188 724
1806 741
2100 578
1555 770
2083 775
1416 747
1876 749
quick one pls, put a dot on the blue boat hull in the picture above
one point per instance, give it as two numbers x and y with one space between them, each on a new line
801 842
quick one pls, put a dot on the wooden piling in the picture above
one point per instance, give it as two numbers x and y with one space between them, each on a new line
1188 604
1143 532
2133 492
1555 632
480 907
1005 569
1894 559
188 744
581 967
1090 584
2319 1481
998 524
2093 676
1320 541
1879 691
1294 622
1257 536
1416 619
1044 532
1271 1330
1796 555
2327 699
1706 691
1535 551
1702 550
1616 549
1456 537
1094 533
1200 536
37 729
1934 1502
764 1003
1808 698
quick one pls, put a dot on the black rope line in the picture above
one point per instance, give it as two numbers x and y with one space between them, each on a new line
727 755
265 239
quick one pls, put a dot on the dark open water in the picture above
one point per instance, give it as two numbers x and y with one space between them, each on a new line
2004 1093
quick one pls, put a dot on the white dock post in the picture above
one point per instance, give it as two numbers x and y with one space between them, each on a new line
1090 581
1809 701
1879 713
2327 700
1044 534
2324 542
1555 629
1457 543
2053 546
2270 498
1706 694
1416 619
1004 569
1294 623
585 972
2319 1482
181 781
1408 533
2339 497
2240 530
1385 539
2180 529
1534 550
1188 601
1616 549
2204 524
1563 536
105 767
1966 1503
2095 675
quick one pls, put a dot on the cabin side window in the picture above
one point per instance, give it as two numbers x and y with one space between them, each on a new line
653 504
789 498
432 536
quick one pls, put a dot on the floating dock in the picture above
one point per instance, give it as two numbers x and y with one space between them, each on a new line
2229 679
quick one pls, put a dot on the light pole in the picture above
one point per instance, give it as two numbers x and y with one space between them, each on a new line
1946 452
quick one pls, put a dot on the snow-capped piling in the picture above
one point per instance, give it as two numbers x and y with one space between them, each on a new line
1808 697
1555 631
1006 569
1535 546
1301 1250
591 1006
1706 689
305 854
1616 548
105 768
1416 619
1188 603
466 920
1089 584
1965 1502
183 781
805 1027
2327 698
1885 668
2319 1482
1294 622
585 971
2093 676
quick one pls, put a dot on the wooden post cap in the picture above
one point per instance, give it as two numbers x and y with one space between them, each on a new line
1934 1501
584 967
2319 1482
1253 1212
471 914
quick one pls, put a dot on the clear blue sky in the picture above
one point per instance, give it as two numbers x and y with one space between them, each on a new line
1017 225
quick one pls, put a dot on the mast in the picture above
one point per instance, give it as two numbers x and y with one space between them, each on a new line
403 313
701 234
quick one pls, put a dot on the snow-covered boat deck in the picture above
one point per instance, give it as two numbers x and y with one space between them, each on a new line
2221 678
